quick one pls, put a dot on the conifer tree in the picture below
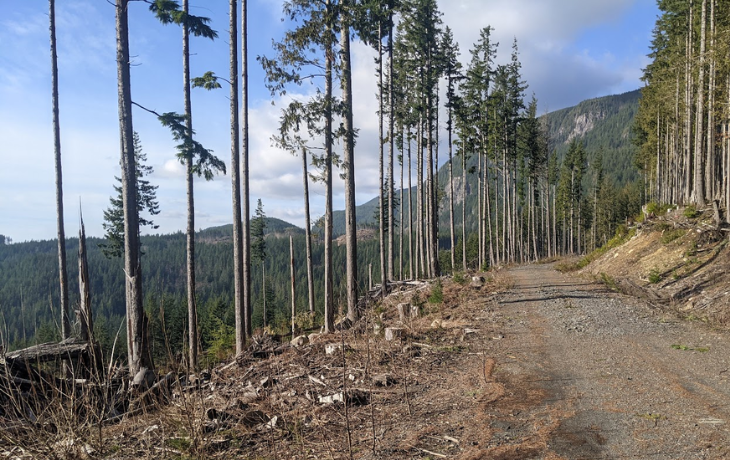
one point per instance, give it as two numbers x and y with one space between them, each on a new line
197 160
304 54
146 201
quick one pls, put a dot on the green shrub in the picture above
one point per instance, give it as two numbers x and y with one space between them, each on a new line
654 276
437 293
671 235
690 212
459 278
223 341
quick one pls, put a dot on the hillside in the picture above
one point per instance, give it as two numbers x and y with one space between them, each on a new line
275 228
679 261
603 123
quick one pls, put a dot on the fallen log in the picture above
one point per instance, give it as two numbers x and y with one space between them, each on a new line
71 348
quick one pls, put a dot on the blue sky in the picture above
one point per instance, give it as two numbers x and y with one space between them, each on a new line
570 50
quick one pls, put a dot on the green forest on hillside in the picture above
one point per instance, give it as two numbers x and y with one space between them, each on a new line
28 271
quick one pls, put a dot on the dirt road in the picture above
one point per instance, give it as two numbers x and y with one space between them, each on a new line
588 373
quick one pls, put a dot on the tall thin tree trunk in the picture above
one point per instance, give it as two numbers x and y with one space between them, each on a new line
419 197
452 232
263 290
293 286
488 211
411 258
400 213
381 181
349 153
480 212
698 191
308 233
688 110
137 355
329 308
710 164
463 211
236 182
190 233
391 127
246 210
61 234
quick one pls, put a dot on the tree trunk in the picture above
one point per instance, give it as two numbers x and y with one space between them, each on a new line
710 164
452 232
61 235
488 211
411 258
480 212
308 234
236 183
84 313
246 211
400 213
391 128
698 191
381 181
263 291
463 211
293 287
329 311
137 354
349 153
190 233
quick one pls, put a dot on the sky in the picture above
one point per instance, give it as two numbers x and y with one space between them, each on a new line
570 50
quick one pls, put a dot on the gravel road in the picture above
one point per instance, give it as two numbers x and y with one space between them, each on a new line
594 374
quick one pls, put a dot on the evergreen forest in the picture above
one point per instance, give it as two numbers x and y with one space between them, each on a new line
471 177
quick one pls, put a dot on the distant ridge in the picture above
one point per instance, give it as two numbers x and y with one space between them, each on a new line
600 123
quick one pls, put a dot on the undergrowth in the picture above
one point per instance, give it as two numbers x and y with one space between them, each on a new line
623 234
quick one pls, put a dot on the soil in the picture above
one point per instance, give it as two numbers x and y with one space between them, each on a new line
530 363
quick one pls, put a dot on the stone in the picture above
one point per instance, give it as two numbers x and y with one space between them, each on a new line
436 324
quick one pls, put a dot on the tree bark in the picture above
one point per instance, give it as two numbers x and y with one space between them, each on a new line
236 183
190 232
451 195
411 273
61 234
349 153
391 127
137 353
84 313
246 211
463 211
308 233
329 312
293 287
381 181
698 191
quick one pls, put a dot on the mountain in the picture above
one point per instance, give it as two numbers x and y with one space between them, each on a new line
603 123
275 228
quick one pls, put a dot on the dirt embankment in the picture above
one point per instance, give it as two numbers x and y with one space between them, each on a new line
679 264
